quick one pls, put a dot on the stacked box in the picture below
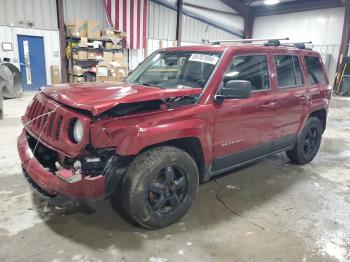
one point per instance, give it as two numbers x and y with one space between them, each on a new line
55 74
93 29
111 72
77 28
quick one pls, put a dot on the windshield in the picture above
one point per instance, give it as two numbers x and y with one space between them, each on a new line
175 69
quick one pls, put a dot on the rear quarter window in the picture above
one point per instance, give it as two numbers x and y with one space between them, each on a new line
314 70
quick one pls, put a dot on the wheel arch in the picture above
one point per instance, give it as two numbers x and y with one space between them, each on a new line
190 145
321 114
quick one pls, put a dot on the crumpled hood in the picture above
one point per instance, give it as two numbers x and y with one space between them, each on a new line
100 97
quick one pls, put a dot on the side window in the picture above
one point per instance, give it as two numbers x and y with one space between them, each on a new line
288 71
314 70
298 74
251 68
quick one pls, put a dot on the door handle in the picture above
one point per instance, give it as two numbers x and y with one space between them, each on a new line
304 98
268 105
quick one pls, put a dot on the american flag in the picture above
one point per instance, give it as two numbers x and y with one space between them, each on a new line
129 16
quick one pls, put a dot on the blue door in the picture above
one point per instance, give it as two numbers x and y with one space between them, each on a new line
32 61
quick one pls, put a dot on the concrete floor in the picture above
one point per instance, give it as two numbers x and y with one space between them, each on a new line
271 211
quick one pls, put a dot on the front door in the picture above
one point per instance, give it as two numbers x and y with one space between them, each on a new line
32 62
244 127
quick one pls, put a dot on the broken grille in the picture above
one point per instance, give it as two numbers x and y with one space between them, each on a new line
43 120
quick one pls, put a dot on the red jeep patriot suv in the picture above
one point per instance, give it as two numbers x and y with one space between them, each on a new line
183 116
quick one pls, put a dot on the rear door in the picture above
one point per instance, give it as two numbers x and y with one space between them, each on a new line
244 127
292 97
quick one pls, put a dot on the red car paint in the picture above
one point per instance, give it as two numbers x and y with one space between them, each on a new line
239 124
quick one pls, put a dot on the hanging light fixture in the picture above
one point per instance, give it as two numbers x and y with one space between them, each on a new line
271 2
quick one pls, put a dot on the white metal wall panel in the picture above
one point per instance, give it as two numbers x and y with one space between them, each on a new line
162 26
323 27
161 22
320 26
51 45
85 9
194 31
42 13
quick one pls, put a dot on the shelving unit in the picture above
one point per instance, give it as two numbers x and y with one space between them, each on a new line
88 64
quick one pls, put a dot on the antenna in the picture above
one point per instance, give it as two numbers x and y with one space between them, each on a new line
217 42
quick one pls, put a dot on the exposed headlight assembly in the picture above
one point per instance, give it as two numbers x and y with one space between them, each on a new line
77 131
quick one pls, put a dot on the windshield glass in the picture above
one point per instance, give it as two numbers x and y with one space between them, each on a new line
175 69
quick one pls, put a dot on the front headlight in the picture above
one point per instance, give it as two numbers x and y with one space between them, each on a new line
78 131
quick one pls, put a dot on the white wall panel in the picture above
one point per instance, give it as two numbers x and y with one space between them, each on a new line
51 45
323 27
161 22
85 9
42 13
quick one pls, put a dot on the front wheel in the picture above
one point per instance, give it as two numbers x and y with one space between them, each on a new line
306 148
160 186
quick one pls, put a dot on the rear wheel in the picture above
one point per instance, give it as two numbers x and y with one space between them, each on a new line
160 186
308 144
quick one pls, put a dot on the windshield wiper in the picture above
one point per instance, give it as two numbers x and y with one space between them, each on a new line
143 84
147 84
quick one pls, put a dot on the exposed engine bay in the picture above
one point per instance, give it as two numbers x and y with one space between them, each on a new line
151 105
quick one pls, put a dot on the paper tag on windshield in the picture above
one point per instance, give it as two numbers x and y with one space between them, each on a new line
209 59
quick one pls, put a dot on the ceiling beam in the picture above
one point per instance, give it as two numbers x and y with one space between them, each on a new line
241 9
297 6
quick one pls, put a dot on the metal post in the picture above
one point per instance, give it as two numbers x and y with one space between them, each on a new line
248 25
62 34
179 22
344 46
2 84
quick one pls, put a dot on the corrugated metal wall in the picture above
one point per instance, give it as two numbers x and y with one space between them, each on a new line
161 22
162 26
195 31
323 27
42 13
86 9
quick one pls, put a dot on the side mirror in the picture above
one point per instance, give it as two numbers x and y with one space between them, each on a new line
234 89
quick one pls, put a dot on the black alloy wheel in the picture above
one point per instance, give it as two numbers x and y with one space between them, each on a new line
160 186
167 191
308 142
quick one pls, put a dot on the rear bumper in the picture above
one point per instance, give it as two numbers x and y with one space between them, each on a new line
52 188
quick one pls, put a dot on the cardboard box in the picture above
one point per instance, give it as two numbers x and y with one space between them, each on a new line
83 41
110 31
55 74
95 55
105 70
108 56
121 72
78 79
93 29
119 58
112 79
80 55
78 70
77 28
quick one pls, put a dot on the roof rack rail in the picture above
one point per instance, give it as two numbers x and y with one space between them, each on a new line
299 45
217 42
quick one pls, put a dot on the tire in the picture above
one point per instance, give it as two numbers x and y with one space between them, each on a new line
308 143
160 186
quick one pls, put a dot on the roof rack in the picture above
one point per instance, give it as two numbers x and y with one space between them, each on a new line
268 42
217 42
299 45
